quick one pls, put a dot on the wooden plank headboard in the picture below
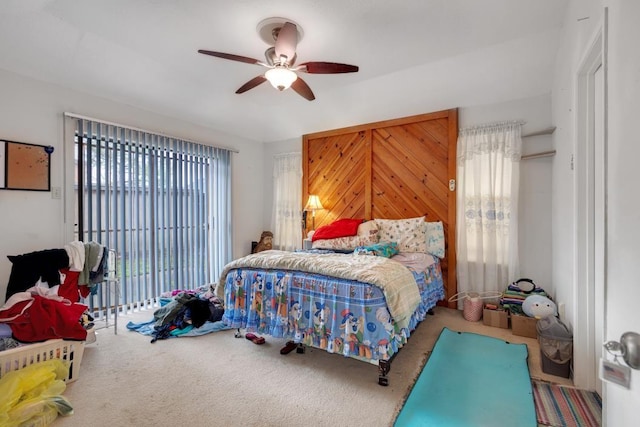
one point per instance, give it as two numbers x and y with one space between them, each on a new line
392 169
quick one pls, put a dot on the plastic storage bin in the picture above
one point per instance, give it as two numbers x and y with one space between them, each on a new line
556 346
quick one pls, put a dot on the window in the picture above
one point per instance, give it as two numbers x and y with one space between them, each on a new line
163 204
287 201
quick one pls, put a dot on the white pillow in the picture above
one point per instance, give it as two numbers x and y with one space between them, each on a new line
416 261
409 233
435 238
367 235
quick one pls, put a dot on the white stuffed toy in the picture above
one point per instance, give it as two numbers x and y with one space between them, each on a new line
539 307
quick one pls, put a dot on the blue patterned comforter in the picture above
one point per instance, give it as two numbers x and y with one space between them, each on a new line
341 316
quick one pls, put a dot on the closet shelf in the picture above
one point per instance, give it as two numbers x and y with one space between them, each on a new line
547 131
538 155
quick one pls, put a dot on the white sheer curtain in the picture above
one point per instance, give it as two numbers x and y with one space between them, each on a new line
287 201
487 213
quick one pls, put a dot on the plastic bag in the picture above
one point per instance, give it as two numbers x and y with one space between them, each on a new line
42 419
37 410
23 383
32 395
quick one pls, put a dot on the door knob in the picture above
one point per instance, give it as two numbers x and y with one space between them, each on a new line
628 347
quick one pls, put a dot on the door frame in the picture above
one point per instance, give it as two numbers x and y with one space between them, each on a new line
585 362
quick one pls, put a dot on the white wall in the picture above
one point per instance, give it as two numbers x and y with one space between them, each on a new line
32 112
623 207
578 34
535 194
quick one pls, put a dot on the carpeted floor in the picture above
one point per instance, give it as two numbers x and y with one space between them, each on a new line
562 406
217 379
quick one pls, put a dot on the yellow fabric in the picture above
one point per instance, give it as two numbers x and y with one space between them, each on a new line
28 393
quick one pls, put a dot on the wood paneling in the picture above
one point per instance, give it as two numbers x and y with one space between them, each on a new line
391 169
336 172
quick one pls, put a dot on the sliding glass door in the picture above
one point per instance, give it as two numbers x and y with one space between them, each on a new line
163 204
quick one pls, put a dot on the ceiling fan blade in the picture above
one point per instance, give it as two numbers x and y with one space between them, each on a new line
327 68
287 41
230 56
251 84
303 89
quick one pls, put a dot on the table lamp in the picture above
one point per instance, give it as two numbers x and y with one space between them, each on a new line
313 205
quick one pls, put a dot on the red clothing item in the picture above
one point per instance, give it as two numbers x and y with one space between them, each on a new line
45 319
340 228
69 287
84 290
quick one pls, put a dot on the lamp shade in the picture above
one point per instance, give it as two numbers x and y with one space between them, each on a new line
313 204
280 78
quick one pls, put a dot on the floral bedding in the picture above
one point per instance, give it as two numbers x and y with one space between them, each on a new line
339 315
396 281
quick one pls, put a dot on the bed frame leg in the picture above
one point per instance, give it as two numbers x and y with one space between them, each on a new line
431 312
300 349
237 334
384 366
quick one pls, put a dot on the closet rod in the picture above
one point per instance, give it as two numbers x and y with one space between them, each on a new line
539 155
547 131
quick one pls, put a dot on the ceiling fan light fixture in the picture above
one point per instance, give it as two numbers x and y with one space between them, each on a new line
283 36
281 78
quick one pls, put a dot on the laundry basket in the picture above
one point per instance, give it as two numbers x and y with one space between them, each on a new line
22 356
472 304
556 346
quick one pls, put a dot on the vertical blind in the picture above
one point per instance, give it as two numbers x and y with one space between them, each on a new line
162 203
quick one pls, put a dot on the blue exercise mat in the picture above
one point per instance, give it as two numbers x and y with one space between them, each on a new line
471 380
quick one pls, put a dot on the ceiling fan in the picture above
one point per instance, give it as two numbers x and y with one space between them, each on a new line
281 58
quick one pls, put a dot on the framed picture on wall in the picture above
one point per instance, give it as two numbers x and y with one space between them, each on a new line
25 166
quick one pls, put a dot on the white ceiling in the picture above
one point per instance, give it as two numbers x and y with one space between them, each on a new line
415 56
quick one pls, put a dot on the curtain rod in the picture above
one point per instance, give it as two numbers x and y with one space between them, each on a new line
547 131
491 125
77 116
291 153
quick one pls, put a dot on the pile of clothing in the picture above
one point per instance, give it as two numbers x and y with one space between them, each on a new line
38 314
184 313
76 270
44 290
515 294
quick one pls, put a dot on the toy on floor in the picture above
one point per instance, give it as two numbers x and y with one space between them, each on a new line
539 307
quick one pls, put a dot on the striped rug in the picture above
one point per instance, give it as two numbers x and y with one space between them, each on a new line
561 406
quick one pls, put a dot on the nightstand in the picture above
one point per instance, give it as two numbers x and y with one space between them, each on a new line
306 244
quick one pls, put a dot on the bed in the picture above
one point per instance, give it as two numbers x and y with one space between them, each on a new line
392 172
355 304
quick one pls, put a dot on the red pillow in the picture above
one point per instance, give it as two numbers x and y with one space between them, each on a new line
339 228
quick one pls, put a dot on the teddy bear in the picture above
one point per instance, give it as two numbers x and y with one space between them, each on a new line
265 243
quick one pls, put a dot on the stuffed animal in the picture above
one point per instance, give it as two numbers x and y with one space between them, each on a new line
265 243
539 307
